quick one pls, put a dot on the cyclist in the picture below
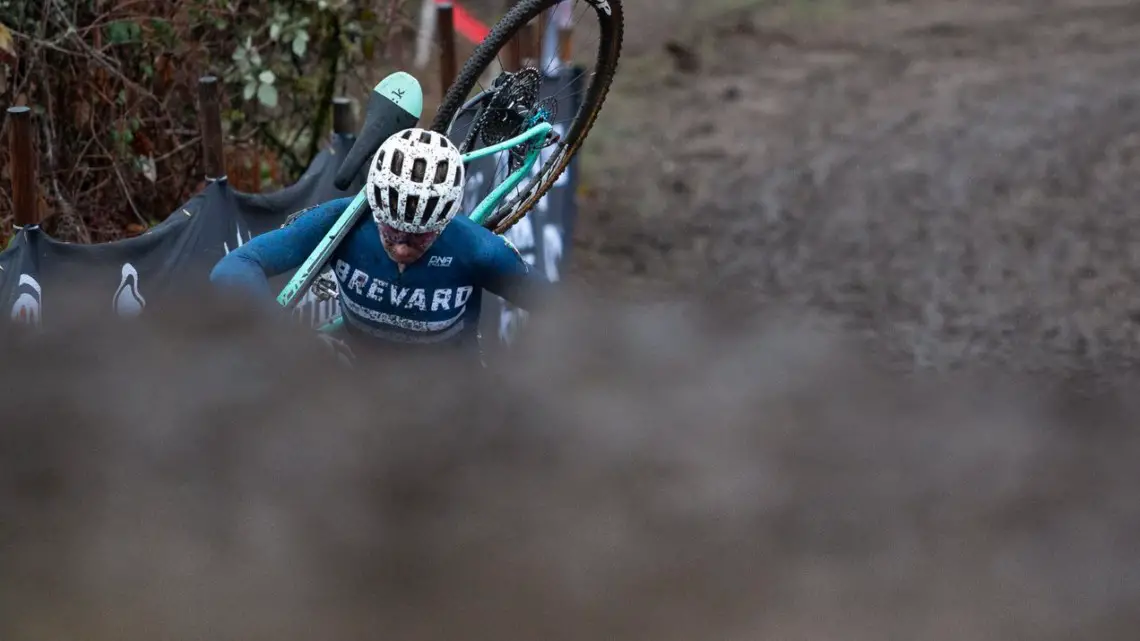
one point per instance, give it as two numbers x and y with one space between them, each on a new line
414 275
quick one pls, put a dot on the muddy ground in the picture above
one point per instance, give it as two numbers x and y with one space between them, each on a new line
957 180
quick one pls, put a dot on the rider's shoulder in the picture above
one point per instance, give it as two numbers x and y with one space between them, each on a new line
463 224
463 231
336 206
472 231
479 243
466 239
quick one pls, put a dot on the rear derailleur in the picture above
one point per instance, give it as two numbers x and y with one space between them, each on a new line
511 107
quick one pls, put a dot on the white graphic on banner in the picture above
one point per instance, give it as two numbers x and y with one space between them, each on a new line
551 250
240 241
128 300
28 306
473 189
521 236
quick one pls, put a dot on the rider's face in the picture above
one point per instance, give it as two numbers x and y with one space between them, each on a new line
405 248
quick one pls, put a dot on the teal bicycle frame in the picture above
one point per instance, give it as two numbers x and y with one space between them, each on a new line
352 213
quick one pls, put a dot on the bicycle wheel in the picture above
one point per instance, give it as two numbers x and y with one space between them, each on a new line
603 17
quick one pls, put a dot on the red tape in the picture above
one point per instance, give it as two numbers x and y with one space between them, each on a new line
466 24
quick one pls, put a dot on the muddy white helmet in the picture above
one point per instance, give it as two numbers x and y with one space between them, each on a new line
416 180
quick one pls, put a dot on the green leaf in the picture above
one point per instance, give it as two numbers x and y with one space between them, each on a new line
123 32
275 31
300 43
162 29
249 89
267 95
266 77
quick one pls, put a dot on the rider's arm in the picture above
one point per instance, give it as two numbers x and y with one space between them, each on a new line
250 266
505 274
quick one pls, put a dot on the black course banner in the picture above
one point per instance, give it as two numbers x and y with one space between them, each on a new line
139 272
543 235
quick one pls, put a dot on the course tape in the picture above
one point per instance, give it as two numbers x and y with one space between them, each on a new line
466 24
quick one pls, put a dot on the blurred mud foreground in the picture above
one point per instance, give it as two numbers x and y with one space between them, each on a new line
641 473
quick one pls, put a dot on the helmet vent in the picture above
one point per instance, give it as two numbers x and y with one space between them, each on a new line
376 193
419 168
410 208
445 209
441 172
393 201
397 162
429 210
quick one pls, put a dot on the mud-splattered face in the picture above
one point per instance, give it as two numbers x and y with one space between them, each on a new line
403 247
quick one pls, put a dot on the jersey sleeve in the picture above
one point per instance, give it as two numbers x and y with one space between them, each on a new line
504 273
250 266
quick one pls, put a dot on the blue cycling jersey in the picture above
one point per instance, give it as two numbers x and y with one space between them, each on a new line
434 301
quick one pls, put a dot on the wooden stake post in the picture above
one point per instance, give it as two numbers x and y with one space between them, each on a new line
210 114
445 29
343 122
23 166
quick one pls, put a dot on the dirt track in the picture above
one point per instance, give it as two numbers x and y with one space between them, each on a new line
956 178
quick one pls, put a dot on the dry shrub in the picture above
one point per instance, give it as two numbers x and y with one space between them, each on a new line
113 86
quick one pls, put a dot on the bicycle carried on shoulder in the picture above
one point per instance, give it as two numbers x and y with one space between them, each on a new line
506 119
